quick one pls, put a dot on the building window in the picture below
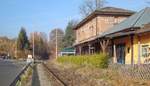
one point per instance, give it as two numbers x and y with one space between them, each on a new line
78 33
109 20
145 51
91 28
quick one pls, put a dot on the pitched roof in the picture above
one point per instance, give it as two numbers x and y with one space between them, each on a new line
106 11
137 20
114 9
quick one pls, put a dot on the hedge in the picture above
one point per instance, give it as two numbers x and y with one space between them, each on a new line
96 60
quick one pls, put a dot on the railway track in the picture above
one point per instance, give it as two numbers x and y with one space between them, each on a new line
54 76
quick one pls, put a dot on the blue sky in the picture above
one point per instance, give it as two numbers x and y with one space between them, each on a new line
45 15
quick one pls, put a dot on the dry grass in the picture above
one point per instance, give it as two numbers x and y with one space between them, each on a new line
98 76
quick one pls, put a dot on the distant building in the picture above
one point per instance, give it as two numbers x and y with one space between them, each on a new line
67 51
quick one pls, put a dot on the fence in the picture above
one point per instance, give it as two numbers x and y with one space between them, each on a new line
18 78
136 72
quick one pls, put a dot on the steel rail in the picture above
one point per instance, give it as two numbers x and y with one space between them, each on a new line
55 76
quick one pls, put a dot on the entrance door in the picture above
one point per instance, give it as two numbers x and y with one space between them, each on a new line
120 50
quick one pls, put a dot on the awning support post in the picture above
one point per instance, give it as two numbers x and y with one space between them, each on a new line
139 51
89 48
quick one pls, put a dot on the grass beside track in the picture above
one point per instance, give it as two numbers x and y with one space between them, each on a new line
25 79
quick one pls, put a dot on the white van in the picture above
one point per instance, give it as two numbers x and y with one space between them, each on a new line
30 59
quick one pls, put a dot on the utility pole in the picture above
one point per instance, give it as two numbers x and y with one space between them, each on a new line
33 45
56 44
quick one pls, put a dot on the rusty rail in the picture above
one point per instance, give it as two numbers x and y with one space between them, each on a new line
55 76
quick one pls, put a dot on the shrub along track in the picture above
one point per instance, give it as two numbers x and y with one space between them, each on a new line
67 77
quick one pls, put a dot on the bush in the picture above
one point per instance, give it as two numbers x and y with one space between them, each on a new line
96 60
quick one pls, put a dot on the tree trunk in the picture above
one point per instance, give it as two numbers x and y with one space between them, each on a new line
104 44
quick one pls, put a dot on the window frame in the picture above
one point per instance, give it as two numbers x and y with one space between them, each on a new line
145 51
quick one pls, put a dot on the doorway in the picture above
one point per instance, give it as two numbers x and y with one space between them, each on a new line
120 53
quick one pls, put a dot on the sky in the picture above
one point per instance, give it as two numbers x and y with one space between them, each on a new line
45 15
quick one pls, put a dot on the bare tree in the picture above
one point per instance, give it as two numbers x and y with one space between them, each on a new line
7 46
40 44
52 41
89 6
52 36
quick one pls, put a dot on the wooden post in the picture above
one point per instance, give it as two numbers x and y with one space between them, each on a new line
114 53
89 49
132 60
80 50
139 51
33 47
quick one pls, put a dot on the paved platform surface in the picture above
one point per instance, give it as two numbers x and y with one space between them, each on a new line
43 78
35 77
